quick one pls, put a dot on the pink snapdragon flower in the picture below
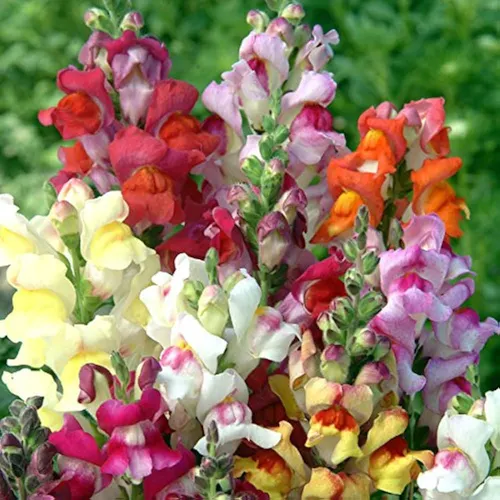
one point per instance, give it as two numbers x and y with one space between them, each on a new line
137 65
136 446
80 460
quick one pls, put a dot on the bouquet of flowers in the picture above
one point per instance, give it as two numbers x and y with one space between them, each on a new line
241 308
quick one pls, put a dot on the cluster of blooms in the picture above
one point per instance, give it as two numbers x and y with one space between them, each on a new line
180 336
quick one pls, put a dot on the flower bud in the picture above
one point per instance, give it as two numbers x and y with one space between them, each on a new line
335 363
212 433
213 309
42 458
148 372
36 401
16 407
32 483
342 311
363 342
354 281
93 17
120 368
302 35
64 217
477 409
369 262
29 421
351 251
39 437
382 348
258 20
191 292
294 13
132 21
362 220
10 442
252 168
271 180
274 5
281 28
373 374
8 424
462 403
370 305
281 134
76 192
231 281
274 237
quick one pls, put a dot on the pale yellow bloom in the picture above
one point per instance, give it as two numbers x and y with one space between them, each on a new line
44 300
106 240
16 235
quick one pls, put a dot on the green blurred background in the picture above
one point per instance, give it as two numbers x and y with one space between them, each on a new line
396 50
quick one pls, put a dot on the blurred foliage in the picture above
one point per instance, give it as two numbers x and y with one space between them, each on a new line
396 50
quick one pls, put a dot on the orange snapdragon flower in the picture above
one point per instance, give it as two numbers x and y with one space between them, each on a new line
363 177
433 194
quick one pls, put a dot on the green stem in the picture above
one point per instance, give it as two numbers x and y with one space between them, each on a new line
21 489
136 493
264 286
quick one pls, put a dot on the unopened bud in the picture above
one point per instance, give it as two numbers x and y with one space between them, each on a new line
39 437
271 180
266 146
370 262
231 281
93 17
120 368
211 263
363 342
280 135
191 291
351 251
382 348
10 442
64 217
213 309
354 281
8 424
342 311
274 237
281 28
212 433
132 21
29 421
32 483
362 220
370 305
294 13
258 20
148 372
16 407
36 401
462 403
395 234
335 364
5 489
477 409
17 461
373 373
42 458
302 35
274 5
76 192
252 168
